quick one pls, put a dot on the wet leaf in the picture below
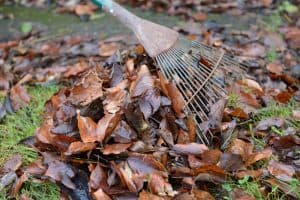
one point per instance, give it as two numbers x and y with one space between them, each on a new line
281 171
108 49
231 162
144 89
106 125
275 68
242 148
87 129
12 164
19 97
267 123
264 154
191 148
284 97
158 185
61 172
79 147
98 178
115 148
87 91
100 195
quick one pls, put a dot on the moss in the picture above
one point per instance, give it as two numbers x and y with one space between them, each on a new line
232 100
22 124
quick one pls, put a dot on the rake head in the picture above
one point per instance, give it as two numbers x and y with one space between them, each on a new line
201 73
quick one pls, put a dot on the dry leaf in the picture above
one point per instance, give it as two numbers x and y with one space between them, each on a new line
191 148
281 171
19 97
115 148
79 147
108 49
100 195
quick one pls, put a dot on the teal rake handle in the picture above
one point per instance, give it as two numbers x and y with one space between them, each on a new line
107 4
126 17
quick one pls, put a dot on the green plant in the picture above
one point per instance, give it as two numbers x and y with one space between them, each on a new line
232 100
288 7
271 56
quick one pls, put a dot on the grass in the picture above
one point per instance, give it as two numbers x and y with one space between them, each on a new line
284 111
23 124
271 56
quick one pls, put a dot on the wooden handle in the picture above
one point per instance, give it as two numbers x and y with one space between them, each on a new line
127 18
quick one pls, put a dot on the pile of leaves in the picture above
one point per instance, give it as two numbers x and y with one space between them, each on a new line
121 132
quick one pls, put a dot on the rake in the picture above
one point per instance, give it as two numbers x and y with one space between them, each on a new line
198 70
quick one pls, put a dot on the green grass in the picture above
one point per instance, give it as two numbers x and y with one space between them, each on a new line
284 111
23 124
271 56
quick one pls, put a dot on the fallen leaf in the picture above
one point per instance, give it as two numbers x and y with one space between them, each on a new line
19 97
284 97
123 133
267 123
191 148
84 9
296 115
201 195
106 125
251 173
200 16
242 148
98 178
170 90
144 89
239 194
100 195
275 67
148 196
108 49
18 185
90 89
211 156
79 147
87 129
12 164
281 171
61 172
160 186
264 154
115 148
252 84
231 162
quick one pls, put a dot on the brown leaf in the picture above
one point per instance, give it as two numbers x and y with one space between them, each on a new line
115 148
252 84
237 112
98 178
275 67
211 156
231 162
123 133
61 172
148 196
76 69
43 134
79 147
285 142
160 186
12 164
192 129
200 17
192 148
170 90
106 125
202 195
267 123
296 115
18 184
216 114
239 194
254 50
87 129
144 88
35 168
264 154
242 148
128 177
284 97
100 195
108 49
115 98
281 171
251 173
86 91
19 97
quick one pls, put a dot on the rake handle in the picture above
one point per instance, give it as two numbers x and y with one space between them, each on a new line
124 16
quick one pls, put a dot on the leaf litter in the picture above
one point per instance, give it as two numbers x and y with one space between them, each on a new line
119 130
